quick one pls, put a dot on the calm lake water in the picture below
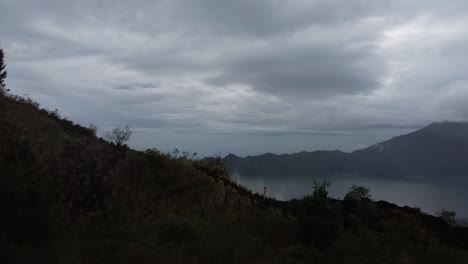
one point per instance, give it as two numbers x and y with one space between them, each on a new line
430 196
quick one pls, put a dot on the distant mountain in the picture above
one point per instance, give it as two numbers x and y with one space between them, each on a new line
435 151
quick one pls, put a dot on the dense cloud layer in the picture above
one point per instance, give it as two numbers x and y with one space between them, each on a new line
241 67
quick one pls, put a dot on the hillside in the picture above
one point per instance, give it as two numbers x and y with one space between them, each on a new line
67 196
438 150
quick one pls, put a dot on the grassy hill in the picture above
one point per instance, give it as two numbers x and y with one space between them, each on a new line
67 196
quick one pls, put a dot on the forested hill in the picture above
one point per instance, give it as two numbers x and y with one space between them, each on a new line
67 196
435 151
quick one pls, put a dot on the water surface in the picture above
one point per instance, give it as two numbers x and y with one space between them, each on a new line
430 196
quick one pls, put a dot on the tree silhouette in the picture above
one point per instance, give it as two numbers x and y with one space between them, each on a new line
119 135
320 189
358 193
448 216
93 128
3 72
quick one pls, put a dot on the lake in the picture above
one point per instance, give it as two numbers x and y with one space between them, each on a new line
429 195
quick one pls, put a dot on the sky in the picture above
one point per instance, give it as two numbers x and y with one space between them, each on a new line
246 77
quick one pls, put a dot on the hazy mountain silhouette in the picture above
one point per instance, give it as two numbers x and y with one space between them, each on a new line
438 150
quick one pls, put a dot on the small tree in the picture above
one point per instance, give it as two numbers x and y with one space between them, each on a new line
320 190
119 135
319 217
3 72
93 128
448 216
357 193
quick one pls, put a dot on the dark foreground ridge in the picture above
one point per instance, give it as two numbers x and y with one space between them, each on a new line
435 151
67 196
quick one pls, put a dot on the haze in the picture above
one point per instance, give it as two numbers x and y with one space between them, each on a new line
278 76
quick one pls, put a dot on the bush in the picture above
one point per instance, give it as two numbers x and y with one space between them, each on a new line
357 193
177 229
320 217
448 216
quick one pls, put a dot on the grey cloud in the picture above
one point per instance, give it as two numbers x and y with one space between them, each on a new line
264 18
247 67
135 86
318 71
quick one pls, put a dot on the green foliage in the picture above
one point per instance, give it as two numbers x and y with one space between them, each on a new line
67 196
212 166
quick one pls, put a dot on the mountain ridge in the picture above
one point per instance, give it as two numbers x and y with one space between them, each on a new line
435 151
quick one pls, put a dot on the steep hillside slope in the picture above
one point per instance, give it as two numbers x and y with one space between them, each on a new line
67 196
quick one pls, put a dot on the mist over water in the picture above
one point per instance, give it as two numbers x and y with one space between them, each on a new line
430 196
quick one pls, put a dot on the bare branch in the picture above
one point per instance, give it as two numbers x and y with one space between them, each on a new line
119 135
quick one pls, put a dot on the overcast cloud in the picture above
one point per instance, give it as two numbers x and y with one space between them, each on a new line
242 68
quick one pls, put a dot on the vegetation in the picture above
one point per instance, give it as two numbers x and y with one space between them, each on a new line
3 72
118 135
67 196
448 216
357 193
